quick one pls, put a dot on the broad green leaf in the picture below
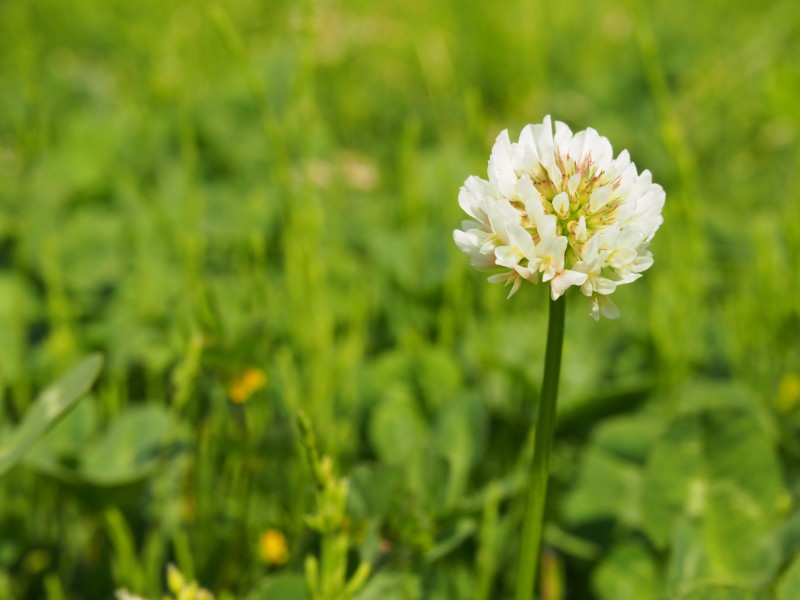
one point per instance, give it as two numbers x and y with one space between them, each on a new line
373 490
713 395
789 535
289 586
132 447
52 404
390 586
629 437
629 571
398 428
713 488
62 447
789 585
718 592
607 487
457 431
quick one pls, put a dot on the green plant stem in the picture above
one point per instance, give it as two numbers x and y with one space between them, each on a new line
540 470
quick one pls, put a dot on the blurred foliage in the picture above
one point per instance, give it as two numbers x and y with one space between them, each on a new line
202 191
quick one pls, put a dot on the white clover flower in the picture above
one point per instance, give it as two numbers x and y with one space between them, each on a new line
559 208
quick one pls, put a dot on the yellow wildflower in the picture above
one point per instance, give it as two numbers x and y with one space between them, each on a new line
788 393
272 546
246 384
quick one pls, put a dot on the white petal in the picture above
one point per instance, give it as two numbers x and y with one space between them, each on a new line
594 311
499 278
520 237
580 233
607 307
577 147
501 214
599 198
565 279
573 183
515 287
544 137
470 244
507 256
501 165
602 153
562 139
561 204
546 225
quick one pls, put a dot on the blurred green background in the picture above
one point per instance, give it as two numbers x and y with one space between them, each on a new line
265 192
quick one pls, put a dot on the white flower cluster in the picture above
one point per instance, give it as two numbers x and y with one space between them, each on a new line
560 208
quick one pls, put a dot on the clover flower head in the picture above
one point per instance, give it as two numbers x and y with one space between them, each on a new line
559 208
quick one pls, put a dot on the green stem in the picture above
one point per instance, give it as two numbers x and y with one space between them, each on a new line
545 426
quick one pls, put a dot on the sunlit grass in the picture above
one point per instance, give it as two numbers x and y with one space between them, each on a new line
201 189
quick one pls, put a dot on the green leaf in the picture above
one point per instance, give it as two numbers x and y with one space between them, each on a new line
373 491
719 592
714 395
463 530
629 437
398 428
52 404
789 585
607 486
456 432
713 487
131 448
289 586
390 586
629 571
60 450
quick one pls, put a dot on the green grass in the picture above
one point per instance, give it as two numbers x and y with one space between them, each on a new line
197 189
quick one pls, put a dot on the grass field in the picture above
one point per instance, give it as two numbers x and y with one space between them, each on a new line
248 208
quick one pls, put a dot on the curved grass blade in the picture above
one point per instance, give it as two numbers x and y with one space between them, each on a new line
52 404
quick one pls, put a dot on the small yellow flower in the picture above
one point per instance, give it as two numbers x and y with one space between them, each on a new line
272 546
788 393
246 384
175 580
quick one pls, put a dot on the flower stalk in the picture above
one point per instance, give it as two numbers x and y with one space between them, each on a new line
533 523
